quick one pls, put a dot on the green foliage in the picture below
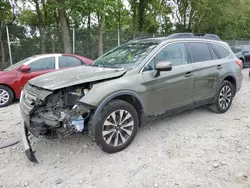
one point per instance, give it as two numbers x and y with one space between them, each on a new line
5 12
227 18
230 19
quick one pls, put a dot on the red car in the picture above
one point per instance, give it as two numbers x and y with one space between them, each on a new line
13 78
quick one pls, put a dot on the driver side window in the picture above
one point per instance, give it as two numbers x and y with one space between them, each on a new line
43 64
174 53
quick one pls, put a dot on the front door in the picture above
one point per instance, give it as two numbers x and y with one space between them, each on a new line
171 89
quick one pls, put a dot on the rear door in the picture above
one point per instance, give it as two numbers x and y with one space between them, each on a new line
171 89
38 67
207 67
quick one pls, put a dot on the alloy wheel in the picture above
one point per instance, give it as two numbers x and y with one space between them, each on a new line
4 97
225 97
118 128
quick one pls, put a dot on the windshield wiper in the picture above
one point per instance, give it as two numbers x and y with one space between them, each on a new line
105 66
92 65
112 66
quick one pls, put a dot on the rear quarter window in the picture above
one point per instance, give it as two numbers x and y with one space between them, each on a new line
223 52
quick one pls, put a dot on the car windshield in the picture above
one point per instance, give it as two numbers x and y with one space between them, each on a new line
125 56
18 64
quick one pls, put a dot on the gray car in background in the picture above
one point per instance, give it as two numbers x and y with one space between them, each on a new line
243 53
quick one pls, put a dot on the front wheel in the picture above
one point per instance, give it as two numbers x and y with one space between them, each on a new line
6 96
224 98
116 126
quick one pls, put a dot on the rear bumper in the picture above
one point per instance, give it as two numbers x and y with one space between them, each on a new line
239 78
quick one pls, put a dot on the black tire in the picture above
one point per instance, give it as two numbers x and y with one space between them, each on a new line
243 63
96 129
217 106
10 96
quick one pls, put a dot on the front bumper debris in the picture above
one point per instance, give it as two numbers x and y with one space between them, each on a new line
26 144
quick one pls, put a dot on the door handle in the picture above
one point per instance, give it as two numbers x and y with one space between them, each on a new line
219 67
188 74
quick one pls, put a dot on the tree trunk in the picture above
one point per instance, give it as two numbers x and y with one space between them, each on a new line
190 19
65 30
119 23
53 44
42 43
141 12
40 19
134 8
2 46
89 31
100 34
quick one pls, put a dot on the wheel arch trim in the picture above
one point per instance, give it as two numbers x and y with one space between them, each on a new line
114 95
223 79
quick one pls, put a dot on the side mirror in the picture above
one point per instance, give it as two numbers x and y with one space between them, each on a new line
164 66
25 68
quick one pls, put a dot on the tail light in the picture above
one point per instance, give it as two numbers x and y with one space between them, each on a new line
239 62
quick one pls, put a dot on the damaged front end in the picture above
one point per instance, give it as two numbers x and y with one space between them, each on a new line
58 113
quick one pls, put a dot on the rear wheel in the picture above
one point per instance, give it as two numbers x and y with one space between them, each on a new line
116 126
6 96
224 98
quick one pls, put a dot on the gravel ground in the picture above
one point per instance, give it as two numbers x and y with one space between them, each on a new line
196 148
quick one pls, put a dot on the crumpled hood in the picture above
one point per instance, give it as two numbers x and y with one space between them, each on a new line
74 76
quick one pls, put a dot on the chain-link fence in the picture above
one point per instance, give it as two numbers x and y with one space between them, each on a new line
238 42
26 41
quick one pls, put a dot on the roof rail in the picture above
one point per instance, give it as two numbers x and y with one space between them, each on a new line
138 38
192 35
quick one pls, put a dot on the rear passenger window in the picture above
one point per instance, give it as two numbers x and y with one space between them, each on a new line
221 50
68 61
212 52
200 52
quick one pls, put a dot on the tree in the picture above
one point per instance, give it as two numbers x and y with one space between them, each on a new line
41 24
64 26
6 16
42 18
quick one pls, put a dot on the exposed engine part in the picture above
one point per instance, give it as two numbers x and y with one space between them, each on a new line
78 123
50 119
61 112
85 91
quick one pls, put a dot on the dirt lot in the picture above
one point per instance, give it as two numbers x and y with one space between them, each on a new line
193 149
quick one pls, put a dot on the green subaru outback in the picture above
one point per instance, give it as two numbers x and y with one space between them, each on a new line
123 89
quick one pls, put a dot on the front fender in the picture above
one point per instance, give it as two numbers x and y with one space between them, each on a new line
113 95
